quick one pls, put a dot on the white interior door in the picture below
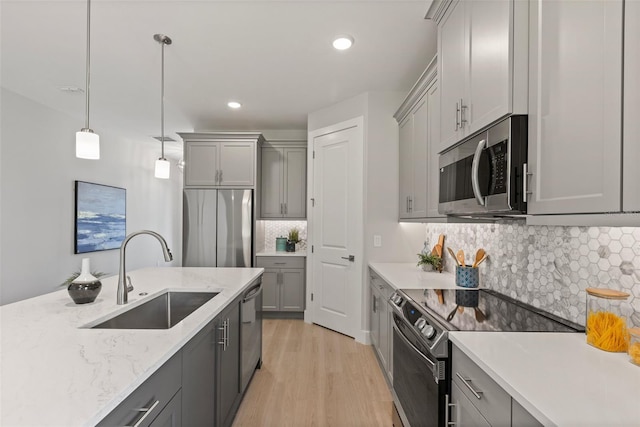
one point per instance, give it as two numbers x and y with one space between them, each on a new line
337 222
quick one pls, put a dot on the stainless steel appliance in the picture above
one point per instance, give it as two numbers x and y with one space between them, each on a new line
251 332
421 347
217 228
485 174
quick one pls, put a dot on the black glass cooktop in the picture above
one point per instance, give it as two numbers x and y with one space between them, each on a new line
486 310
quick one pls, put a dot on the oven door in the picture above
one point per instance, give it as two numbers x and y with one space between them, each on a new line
419 384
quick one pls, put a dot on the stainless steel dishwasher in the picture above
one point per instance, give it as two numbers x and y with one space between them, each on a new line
251 332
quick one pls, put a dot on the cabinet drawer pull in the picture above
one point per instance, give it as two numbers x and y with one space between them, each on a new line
280 263
447 417
146 412
467 382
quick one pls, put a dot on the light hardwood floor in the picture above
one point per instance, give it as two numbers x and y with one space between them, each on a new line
312 376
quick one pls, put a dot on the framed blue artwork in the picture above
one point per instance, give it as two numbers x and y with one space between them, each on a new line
100 217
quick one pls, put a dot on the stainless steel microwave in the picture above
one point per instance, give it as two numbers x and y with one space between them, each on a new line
484 174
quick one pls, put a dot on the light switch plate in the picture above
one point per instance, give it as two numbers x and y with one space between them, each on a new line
377 241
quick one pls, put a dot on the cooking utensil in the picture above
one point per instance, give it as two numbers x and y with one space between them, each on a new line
479 255
460 257
460 309
454 256
441 242
453 313
480 317
481 260
440 296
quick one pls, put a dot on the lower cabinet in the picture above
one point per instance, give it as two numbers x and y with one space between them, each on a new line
228 391
198 386
463 413
148 401
283 283
477 400
381 323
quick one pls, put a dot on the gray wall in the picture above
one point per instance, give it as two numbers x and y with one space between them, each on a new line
37 171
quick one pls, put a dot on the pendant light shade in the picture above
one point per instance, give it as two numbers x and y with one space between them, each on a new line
163 167
87 142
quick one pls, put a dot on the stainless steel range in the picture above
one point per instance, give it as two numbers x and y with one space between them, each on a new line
421 347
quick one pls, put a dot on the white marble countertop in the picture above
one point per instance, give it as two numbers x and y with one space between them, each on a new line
274 253
56 373
409 276
558 377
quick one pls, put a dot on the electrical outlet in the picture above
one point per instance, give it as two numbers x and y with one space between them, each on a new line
377 241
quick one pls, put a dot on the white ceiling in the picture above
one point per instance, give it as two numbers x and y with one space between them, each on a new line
275 57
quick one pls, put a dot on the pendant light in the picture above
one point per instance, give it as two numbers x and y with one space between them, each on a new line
87 142
163 167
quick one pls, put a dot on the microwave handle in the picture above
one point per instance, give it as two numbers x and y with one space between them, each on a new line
475 166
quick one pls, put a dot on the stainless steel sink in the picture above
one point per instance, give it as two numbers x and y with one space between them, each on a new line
162 312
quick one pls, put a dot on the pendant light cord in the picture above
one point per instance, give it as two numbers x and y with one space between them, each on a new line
86 120
162 103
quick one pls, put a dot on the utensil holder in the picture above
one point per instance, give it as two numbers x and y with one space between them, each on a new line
467 276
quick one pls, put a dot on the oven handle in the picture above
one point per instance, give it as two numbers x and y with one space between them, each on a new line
475 166
414 348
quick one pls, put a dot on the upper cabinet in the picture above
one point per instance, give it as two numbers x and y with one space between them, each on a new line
284 180
575 110
418 133
631 136
220 159
482 57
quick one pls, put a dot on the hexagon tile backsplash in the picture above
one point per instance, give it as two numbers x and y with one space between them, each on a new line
550 267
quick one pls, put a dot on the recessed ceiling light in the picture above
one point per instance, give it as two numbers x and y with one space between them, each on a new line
343 42
234 104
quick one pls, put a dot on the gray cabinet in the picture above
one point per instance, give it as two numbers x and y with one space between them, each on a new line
575 131
481 80
631 132
463 413
220 159
228 383
171 415
477 400
283 283
199 378
211 371
418 159
149 400
284 182
381 319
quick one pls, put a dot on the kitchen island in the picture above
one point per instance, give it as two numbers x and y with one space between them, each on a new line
55 371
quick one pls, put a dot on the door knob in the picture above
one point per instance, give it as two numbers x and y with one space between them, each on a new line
350 258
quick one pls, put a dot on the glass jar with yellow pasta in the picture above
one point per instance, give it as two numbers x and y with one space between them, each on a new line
634 345
606 325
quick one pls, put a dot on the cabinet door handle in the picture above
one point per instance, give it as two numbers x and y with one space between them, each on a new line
220 176
226 334
447 405
286 210
463 120
223 329
146 412
467 382
410 204
457 115
525 182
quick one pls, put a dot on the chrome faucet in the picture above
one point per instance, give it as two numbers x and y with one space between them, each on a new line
122 274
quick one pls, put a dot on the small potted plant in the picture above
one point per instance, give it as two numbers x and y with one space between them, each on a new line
429 262
294 237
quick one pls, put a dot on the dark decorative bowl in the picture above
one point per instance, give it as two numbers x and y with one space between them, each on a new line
82 293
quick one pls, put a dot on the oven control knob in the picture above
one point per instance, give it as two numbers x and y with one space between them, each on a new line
396 299
420 323
428 331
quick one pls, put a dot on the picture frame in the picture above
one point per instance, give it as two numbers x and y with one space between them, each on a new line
100 219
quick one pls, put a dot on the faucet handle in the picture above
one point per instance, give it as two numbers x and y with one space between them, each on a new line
129 284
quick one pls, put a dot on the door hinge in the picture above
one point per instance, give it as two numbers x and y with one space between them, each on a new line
312 296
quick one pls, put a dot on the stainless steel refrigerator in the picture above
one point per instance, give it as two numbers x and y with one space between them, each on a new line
217 228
